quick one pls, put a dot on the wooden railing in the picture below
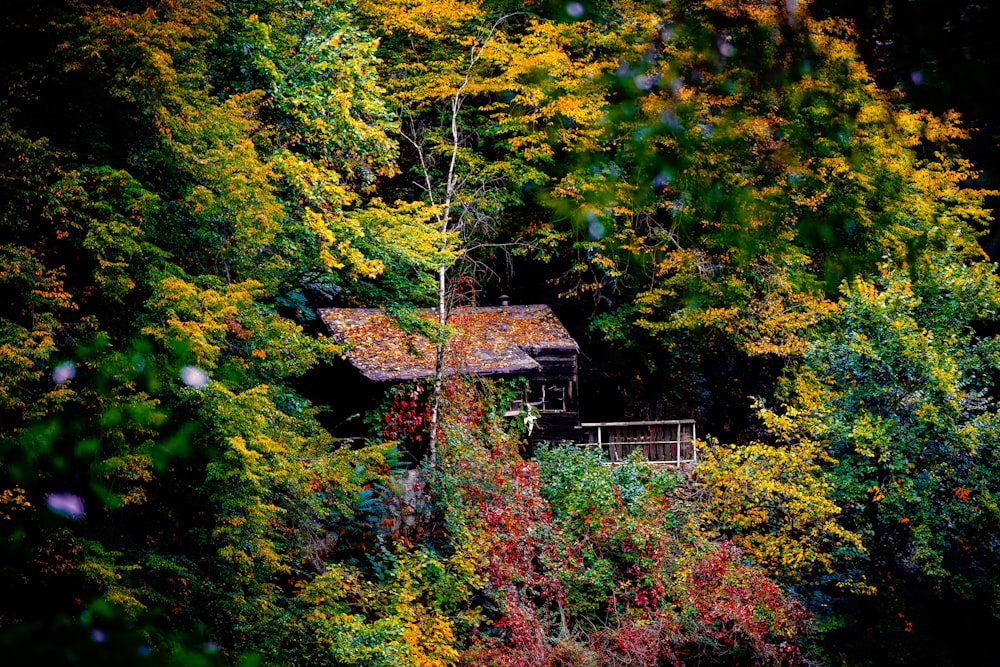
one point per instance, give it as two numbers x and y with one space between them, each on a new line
670 441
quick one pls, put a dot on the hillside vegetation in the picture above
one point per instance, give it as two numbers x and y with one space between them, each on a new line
735 221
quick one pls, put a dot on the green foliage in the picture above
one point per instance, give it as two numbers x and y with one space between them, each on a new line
183 182
903 409
896 395
581 559
155 229
749 164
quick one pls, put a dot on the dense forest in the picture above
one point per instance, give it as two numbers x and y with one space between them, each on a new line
771 217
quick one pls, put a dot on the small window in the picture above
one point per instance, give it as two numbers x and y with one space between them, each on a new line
549 396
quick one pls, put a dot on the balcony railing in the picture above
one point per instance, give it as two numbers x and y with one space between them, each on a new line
671 442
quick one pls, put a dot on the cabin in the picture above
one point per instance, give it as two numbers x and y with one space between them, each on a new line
525 341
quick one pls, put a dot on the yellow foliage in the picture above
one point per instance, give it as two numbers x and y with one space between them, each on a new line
423 19
12 500
199 317
429 636
767 14
774 503
102 568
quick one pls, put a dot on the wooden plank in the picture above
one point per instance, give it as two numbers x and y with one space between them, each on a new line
662 441
691 422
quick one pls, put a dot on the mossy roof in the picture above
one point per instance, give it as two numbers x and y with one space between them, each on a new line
493 340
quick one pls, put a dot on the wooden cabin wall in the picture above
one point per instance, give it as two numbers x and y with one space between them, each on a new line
557 427
557 365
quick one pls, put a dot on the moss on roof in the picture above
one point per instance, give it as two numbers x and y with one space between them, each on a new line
497 340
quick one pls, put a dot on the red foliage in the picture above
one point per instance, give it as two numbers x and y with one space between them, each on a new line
639 642
536 569
737 605
406 417
526 638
